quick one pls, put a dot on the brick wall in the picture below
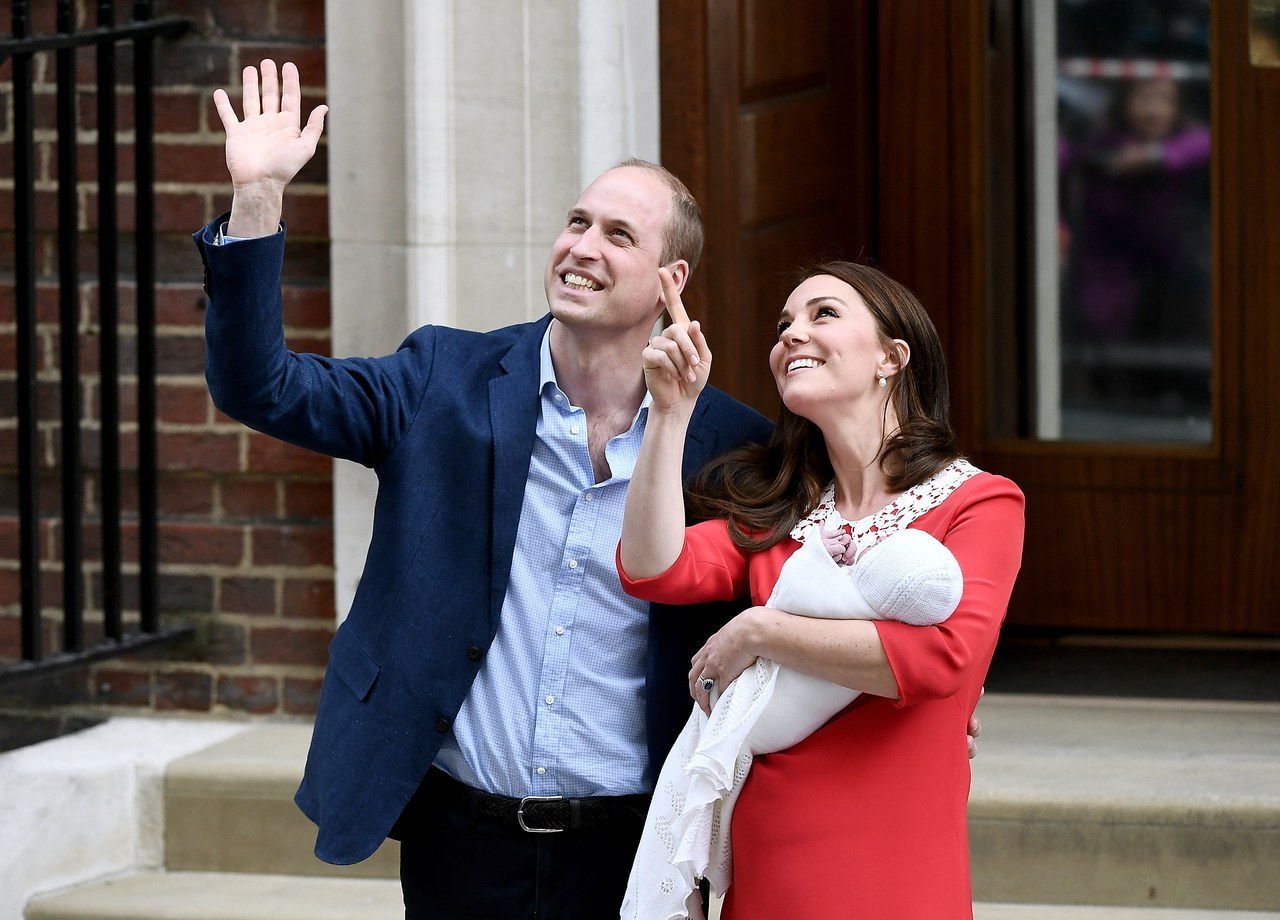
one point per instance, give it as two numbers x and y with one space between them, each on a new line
246 522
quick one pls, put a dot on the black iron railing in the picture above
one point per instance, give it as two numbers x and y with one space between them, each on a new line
22 47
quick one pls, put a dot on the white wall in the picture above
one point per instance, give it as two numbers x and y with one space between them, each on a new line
460 133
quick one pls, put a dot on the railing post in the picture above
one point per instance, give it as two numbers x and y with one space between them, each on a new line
108 329
144 172
69 339
25 285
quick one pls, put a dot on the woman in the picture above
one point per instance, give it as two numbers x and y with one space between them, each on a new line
865 817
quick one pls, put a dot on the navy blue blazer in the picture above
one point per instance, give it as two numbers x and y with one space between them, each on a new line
448 423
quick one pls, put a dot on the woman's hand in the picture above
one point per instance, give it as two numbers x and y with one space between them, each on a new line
726 655
677 363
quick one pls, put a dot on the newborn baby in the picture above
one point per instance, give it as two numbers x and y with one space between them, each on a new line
908 576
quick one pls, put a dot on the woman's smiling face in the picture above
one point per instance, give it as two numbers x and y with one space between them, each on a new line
829 347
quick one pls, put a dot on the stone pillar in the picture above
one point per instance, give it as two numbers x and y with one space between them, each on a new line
461 132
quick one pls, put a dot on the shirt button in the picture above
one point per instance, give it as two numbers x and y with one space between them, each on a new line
542 771
559 630
550 700
558 397
474 653
588 496
574 430
442 725
573 563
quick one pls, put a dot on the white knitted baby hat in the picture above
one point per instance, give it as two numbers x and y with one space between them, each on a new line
910 576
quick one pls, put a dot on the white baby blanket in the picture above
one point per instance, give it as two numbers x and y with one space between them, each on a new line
907 576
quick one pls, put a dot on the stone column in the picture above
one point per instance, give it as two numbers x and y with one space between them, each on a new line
461 132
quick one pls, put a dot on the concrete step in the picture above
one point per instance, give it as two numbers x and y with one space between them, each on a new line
1137 803
226 896
223 802
1145 804
222 896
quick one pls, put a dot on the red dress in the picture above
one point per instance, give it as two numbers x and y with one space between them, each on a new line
866 818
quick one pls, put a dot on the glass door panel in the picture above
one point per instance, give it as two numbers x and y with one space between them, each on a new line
1119 336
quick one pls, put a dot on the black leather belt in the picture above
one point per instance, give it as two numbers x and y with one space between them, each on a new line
543 814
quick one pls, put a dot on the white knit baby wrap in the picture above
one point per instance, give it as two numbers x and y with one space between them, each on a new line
908 576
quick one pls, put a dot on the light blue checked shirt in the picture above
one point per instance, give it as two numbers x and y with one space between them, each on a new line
558 707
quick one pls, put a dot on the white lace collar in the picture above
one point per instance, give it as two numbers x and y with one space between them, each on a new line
894 516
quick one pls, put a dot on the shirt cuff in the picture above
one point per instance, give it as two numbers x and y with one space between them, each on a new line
221 236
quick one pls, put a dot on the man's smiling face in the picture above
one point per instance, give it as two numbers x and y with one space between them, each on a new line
603 269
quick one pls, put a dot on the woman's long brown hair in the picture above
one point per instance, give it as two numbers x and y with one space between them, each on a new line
764 490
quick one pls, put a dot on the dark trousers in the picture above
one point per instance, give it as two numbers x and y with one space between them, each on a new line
456 865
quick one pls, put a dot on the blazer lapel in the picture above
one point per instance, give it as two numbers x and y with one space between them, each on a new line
513 414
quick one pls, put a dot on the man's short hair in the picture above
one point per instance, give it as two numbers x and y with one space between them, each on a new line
684 234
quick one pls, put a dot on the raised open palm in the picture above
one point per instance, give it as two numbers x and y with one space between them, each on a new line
270 145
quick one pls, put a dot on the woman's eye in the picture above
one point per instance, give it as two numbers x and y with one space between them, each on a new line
782 326
827 311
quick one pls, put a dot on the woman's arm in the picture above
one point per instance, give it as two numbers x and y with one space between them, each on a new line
885 657
676 366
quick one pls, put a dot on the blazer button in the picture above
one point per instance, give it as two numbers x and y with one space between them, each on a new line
474 654
442 725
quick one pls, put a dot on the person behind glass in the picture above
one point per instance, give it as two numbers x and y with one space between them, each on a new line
1138 191
865 817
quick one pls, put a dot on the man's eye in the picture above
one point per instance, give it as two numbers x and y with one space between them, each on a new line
623 234
577 221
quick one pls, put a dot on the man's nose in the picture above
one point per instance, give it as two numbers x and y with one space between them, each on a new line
587 245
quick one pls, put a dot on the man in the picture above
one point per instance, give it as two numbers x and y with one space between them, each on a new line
490 663
493 699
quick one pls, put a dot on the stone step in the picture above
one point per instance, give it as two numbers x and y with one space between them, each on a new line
1141 803
1075 801
223 802
237 896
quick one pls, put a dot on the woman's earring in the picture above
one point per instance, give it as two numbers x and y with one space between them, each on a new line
883 382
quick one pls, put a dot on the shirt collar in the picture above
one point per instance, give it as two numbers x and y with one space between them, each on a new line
547 373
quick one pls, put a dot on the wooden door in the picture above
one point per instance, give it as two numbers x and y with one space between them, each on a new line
877 129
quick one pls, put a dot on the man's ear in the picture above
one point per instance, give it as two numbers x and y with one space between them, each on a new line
680 272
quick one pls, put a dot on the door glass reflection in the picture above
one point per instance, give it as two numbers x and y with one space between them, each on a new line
1122 252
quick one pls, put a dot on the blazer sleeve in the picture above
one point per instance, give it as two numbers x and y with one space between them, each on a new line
710 567
934 662
353 408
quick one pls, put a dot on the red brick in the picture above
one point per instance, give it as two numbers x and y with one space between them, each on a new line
87 163
180 304
10 587
183 495
293 545
175 212
180 354
301 695
183 403
248 595
281 645
249 694
309 500
308 214
200 544
308 598
92 538
179 112
267 455
10 636
249 499
300 19
313 345
306 307
190 690
214 453
115 687
187 162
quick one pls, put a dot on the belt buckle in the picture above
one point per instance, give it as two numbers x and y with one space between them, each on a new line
537 830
